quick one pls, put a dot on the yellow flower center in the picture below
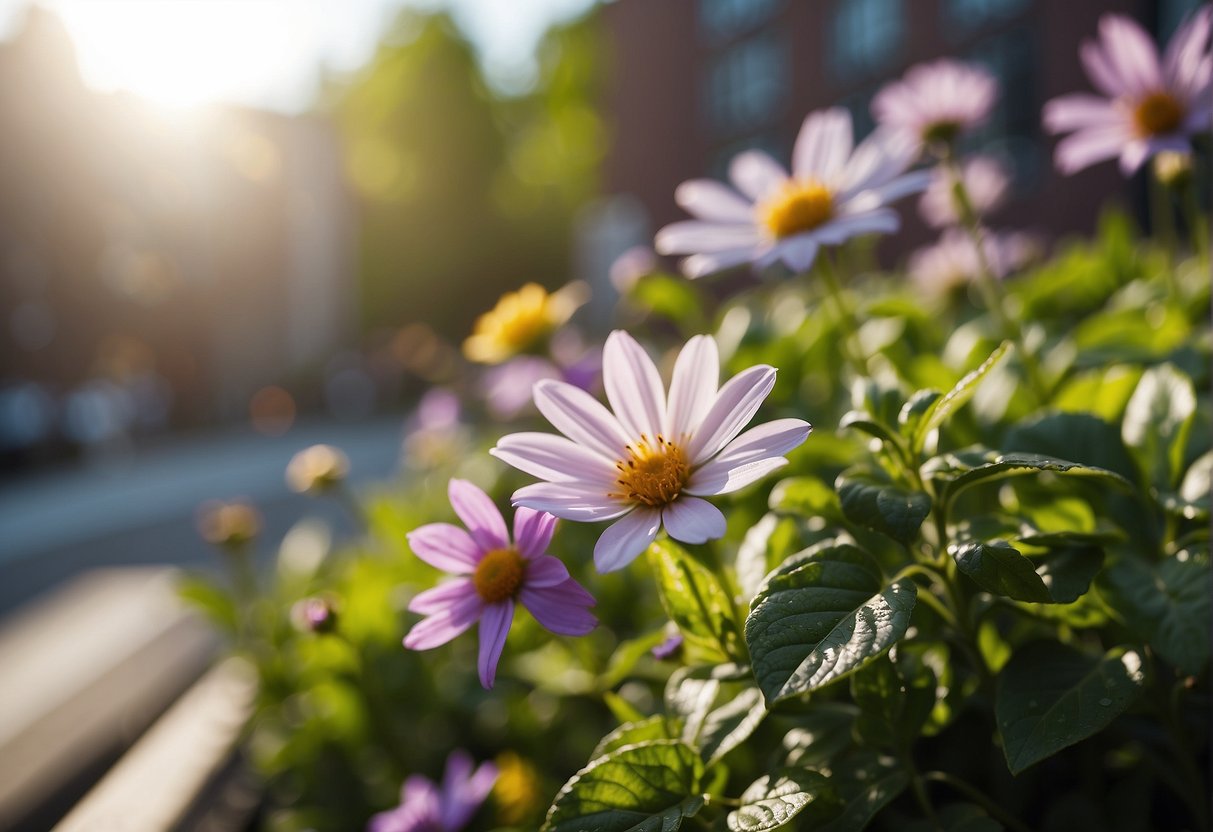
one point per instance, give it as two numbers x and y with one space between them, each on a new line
1157 113
654 473
499 575
797 207
520 321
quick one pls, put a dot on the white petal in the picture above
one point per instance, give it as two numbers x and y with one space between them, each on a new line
891 191
798 253
580 417
734 407
626 538
717 477
570 501
554 458
693 520
693 387
880 157
633 385
823 146
701 265
702 237
1086 147
877 221
1079 110
1131 51
756 174
711 200
769 439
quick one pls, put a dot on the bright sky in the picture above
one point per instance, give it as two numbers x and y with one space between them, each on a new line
268 53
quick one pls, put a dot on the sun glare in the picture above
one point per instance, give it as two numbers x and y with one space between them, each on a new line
186 52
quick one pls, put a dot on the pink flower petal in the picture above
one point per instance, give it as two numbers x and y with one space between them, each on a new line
1086 147
1104 74
770 439
560 609
554 458
1132 52
544 571
756 174
718 477
703 237
633 385
532 531
443 626
1186 53
580 417
1080 110
823 146
626 538
570 501
693 387
734 407
464 791
711 200
484 522
494 627
701 265
442 596
693 520
446 547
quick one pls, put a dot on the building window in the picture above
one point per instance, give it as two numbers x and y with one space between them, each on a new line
722 19
747 83
867 35
1013 129
960 17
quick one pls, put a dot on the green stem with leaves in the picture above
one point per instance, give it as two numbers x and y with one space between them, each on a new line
846 318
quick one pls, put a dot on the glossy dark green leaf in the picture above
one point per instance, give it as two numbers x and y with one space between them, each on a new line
863 422
1167 604
1018 464
1157 420
720 707
695 601
648 787
1068 571
942 408
1081 437
877 504
822 615
804 496
1051 696
914 410
775 799
999 568
893 705
867 782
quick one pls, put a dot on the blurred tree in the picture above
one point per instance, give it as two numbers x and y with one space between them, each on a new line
465 194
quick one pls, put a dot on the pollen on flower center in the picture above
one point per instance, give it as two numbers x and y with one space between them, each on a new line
1157 113
654 473
797 207
499 575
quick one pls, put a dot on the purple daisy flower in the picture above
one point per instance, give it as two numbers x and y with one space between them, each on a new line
494 574
952 261
935 103
1149 104
836 191
985 181
650 463
424 807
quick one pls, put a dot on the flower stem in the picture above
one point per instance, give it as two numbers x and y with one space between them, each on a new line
846 318
1161 215
980 798
1197 225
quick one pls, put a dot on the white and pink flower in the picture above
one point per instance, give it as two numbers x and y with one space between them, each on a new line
650 463
1148 104
835 191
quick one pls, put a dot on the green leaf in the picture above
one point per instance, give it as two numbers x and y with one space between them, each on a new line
1051 696
893 707
999 568
1018 464
212 600
775 799
631 733
1193 500
767 543
805 496
942 409
720 706
627 655
958 817
648 787
863 422
867 782
821 736
1068 571
695 601
882 506
822 615
1157 420
1080 437
914 410
1166 605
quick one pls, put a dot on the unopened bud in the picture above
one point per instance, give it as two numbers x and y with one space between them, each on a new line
314 615
1173 168
317 469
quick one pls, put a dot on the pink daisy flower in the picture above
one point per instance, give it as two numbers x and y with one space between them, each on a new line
424 807
494 574
935 103
985 180
835 191
1148 104
952 261
651 462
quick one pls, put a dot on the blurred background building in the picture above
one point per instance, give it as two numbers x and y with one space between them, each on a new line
693 82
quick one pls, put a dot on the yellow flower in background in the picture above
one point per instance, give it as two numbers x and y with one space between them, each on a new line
517 791
316 469
521 320
229 525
